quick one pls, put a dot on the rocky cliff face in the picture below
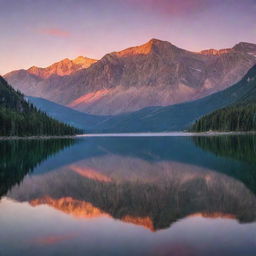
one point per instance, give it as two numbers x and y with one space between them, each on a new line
62 68
156 73
216 52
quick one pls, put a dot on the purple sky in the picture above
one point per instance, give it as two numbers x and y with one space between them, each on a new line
40 32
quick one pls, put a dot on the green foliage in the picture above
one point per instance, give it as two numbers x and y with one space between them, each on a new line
233 118
20 118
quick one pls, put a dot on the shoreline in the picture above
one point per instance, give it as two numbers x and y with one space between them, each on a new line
164 134
36 137
141 134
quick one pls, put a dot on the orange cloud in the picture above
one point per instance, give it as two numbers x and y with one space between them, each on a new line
54 32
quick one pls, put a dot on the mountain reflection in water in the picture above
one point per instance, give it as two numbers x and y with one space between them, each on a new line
150 182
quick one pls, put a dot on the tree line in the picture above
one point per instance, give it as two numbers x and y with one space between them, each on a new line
20 118
232 118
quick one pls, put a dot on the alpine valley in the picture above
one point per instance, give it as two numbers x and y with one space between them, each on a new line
152 87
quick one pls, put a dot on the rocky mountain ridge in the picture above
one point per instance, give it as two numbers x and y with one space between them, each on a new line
154 74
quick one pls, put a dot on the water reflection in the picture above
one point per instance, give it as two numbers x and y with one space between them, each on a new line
241 148
143 182
20 157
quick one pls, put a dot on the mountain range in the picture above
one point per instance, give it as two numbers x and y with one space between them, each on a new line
154 74
176 117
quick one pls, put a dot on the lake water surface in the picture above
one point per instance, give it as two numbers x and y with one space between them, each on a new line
134 195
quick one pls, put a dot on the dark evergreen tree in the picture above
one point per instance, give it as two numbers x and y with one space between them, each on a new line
233 118
20 118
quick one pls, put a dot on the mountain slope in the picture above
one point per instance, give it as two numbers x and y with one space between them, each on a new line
238 116
62 68
154 74
19 118
28 81
67 115
181 116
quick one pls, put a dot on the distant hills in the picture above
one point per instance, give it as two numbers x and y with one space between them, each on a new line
20 118
154 74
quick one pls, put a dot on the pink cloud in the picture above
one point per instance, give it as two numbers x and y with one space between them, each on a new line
171 7
54 32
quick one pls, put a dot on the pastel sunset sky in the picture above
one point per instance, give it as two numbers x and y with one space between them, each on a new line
40 32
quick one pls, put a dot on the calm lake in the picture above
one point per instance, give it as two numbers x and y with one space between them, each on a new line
134 195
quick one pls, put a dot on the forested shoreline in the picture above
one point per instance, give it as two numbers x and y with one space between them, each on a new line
233 118
20 118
